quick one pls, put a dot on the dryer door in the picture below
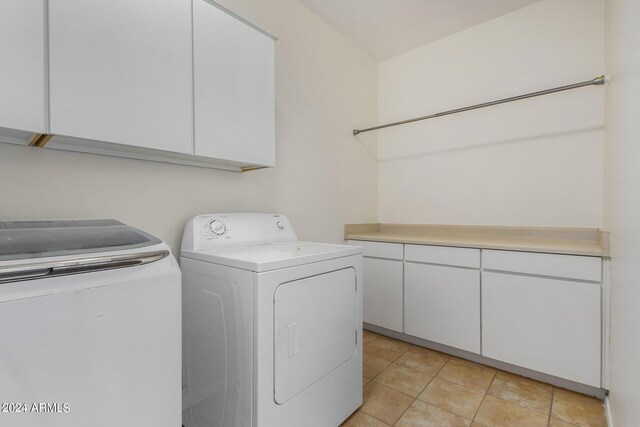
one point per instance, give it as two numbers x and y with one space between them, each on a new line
315 330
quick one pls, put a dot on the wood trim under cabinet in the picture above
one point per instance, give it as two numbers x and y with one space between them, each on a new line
253 168
40 140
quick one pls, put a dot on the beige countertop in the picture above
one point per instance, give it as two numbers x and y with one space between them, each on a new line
573 241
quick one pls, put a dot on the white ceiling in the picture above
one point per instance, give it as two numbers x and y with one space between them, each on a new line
385 28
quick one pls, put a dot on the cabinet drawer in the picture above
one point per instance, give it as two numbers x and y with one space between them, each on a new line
553 265
379 250
461 257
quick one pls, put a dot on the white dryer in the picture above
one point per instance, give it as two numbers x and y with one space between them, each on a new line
272 327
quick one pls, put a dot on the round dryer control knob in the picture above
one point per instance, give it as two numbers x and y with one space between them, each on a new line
280 225
217 227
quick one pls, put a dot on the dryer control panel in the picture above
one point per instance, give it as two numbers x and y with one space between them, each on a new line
211 231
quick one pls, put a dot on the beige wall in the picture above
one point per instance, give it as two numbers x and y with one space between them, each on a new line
323 179
623 210
537 162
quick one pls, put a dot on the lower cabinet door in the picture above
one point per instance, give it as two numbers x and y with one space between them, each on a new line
442 304
382 293
548 325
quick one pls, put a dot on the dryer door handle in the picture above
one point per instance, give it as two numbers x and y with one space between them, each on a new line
294 339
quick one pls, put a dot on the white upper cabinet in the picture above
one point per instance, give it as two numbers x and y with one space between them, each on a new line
180 81
120 72
234 87
22 74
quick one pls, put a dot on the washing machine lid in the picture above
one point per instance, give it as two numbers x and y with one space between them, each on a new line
31 250
20 240
273 256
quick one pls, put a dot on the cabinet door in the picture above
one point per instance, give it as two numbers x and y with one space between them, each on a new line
548 325
234 86
442 304
22 74
382 293
120 72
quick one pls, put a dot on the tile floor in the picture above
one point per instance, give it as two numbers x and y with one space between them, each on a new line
410 386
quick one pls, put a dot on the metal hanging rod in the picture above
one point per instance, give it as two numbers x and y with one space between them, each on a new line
598 81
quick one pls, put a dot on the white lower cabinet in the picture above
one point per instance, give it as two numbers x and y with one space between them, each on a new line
382 283
538 311
544 324
382 293
442 304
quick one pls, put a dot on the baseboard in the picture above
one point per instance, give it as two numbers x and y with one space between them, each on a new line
607 410
539 376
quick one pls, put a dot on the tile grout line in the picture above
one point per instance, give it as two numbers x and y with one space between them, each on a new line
442 367
553 394
551 409
483 397
522 406
478 410
405 367
404 412
549 414
366 413
393 389
464 386
432 376
375 418
428 404
437 407
397 364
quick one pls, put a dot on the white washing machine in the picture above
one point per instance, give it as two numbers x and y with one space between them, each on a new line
272 327
90 326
